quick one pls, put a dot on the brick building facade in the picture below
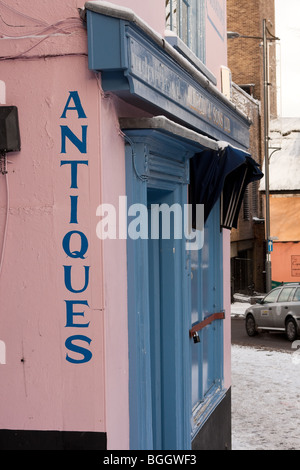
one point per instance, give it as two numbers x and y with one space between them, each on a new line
245 60
245 55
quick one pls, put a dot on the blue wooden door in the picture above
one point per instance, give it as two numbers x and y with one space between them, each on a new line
165 298
158 311
166 314
154 263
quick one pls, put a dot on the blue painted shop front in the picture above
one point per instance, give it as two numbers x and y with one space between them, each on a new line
161 294
175 294
175 288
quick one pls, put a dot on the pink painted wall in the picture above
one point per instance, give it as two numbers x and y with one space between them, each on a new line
2 92
216 36
227 307
40 389
216 55
115 285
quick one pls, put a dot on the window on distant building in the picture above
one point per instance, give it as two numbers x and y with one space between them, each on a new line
248 89
255 201
246 205
186 19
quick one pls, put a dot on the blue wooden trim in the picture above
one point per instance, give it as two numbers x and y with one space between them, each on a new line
204 410
138 323
156 169
139 67
212 392
197 59
152 175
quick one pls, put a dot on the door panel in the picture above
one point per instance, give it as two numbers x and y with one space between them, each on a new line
163 256
158 298
155 340
206 299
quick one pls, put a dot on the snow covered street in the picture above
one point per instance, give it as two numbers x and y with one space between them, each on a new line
265 399
265 396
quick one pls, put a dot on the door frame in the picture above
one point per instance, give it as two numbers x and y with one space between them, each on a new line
160 162
167 320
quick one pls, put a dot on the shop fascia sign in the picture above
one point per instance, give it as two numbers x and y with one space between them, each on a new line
136 68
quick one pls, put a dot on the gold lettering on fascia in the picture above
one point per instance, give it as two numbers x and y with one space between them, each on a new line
163 79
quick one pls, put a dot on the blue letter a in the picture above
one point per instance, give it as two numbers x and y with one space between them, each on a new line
78 107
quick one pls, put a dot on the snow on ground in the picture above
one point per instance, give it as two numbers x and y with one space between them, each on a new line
238 308
265 399
265 396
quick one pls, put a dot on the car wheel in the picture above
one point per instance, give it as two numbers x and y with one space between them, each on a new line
291 329
250 325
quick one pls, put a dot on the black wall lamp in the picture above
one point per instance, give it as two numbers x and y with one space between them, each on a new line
9 134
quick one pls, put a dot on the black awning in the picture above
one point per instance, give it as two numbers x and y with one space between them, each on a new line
224 173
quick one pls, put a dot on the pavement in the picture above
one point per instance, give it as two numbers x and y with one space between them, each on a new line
265 399
265 388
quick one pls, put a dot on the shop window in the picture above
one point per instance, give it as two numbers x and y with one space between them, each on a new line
186 19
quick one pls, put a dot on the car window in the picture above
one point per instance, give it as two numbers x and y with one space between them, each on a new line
285 294
297 295
292 294
272 296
